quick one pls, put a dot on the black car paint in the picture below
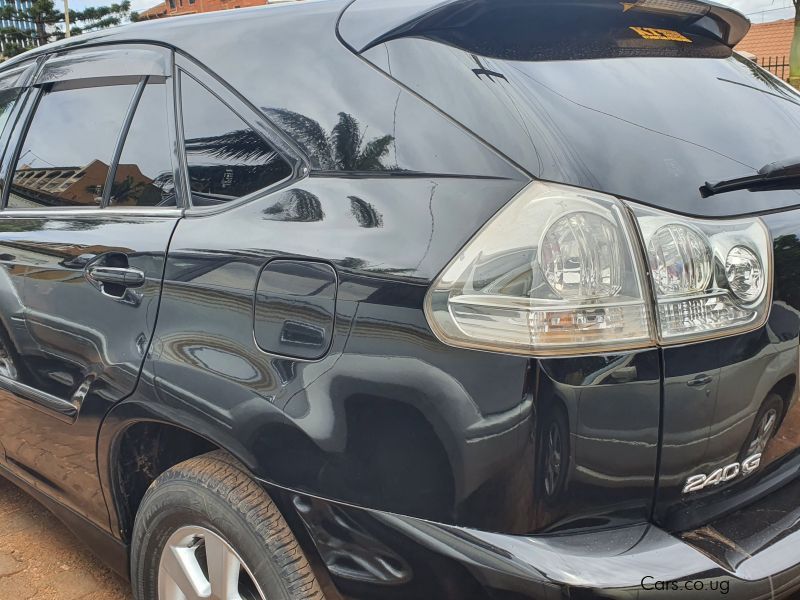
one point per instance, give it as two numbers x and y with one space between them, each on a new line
413 466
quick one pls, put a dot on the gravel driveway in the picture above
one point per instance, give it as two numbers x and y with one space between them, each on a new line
41 559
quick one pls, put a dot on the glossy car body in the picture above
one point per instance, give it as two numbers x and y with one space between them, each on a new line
287 327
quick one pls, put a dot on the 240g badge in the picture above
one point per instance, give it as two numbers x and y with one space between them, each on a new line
700 482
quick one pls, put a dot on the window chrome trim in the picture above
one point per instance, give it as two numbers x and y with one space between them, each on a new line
111 211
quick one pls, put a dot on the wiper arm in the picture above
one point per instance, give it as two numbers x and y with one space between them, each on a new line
780 173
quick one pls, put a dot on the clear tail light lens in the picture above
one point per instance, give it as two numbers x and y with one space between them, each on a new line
562 270
555 271
745 274
680 260
718 274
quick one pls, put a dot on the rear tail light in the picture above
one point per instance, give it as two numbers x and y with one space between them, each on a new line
562 270
711 278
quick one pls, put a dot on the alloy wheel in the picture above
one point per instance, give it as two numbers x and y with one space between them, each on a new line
764 432
7 367
198 564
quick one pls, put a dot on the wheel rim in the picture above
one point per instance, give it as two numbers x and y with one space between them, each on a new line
764 432
198 564
553 460
7 367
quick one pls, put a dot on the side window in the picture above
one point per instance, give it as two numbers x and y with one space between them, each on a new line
65 157
226 159
144 175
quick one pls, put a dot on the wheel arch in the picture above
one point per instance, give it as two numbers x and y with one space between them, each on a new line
136 444
141 451
785 388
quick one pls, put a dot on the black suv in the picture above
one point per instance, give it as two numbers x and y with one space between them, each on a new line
408 300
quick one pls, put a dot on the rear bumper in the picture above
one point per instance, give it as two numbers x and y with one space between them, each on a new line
378 555
637 561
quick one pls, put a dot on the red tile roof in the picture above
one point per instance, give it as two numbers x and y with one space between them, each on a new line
179 7
768 40
159 10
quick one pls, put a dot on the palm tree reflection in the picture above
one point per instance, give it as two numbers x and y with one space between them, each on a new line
299 206
345 148
365 213
241 145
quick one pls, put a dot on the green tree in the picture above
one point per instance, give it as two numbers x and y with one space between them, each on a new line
100 17
48 22
42 14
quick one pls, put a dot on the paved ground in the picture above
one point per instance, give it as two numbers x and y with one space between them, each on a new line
40 559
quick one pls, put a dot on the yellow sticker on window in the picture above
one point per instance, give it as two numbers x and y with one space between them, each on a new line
667 35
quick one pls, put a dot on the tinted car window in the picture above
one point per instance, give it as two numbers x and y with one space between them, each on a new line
144 174
585 122
225 157
69 146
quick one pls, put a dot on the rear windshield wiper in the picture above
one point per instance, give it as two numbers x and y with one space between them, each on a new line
777 175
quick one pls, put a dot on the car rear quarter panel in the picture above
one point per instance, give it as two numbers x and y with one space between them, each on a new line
390 418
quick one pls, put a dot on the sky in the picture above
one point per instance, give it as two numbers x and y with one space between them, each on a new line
757 10
760 11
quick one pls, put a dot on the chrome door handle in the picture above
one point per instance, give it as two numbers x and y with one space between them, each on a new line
700 381
126 277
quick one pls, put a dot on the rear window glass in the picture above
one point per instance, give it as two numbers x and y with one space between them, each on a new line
570 34
651 128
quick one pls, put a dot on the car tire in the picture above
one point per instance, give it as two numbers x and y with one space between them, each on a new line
771 409
210 507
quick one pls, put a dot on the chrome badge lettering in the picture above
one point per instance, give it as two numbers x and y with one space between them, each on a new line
696 483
